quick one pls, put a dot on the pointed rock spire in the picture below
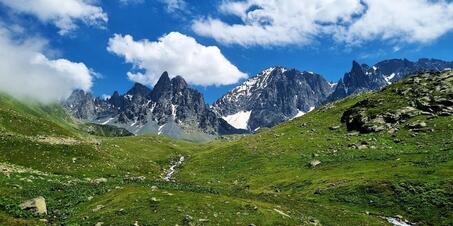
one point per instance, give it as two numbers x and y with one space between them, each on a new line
116 100
139 90
179 83
356 67
162 87
164 80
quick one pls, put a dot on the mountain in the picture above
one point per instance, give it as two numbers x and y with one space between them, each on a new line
275 95
377 158
365 78
171 108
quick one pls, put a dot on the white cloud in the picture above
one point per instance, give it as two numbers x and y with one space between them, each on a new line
300 22
64 14
127 2
25 72
408 20
174 5
179 55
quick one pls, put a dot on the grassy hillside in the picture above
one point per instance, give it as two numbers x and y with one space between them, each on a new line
353 162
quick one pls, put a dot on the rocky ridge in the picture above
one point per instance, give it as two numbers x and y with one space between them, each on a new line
367 78
425 94
171 108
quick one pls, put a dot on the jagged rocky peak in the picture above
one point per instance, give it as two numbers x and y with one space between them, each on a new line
364 78
139 90
81 104
178 83
176 91
80 95
162 87
274 95
116 99
175 100
171 108
357 68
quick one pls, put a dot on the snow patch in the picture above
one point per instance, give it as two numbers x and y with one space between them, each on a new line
152 107
283 70
389 78
108 120
268 70
346 90
333 84
159 131
173 111
299 113
239 120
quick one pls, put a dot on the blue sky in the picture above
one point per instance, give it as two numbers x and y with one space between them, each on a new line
327 50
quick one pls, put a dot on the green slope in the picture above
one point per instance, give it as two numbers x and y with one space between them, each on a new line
261 179
32 119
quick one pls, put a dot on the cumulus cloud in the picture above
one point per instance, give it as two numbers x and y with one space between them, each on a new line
25 72
63 14
179 55
272 22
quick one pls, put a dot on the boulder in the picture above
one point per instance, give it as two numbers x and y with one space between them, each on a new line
187 220
334 127
315 163
37 205
417 125
98 207
135 179
99 181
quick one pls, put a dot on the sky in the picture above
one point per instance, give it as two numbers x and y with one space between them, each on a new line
50 47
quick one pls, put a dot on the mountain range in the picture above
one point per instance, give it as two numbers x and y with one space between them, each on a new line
278 94
274 95
171 108
366 78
